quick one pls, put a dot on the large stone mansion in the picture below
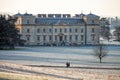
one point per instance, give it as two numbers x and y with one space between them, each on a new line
58 29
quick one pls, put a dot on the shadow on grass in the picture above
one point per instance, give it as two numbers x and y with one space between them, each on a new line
106 68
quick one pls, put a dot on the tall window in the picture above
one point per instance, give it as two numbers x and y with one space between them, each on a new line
28 37
28 30
38 38
93 30
93 37
44 38
55 38
55 30
38 30
82 30
60 30
70 30
81 37
28 22
93 21
50 38
65 30
65 37
76 30
76 37
70 37
50 30
44 30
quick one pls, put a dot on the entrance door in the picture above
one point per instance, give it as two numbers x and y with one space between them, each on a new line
61 38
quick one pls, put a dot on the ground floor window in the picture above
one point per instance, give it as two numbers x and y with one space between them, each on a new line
93 37
76 37
28 37
44 38
65 37
82 37
38 38
50 38
55 38
70 37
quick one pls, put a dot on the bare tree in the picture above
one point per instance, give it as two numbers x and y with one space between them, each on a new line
100 51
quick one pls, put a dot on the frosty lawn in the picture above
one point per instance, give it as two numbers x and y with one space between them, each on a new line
77 56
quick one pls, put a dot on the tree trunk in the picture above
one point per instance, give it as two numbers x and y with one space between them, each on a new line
100 60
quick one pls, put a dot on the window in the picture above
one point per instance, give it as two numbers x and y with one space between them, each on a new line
55 30
38 30
38 38
65 37
50 30
44 30
44 38
93 30
81 37
82 30
28 30
28 22
93 21
56 38
70 30
93 37
60 30
65 30
28 37
50 38
70 37
76 30
76 37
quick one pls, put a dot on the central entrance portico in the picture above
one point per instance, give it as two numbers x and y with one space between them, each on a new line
61 37
61 40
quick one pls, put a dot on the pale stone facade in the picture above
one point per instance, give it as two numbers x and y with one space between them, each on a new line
58 29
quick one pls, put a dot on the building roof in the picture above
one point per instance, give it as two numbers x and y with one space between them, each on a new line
59 21
19 14
92 15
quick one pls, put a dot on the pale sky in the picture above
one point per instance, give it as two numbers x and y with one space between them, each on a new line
99 7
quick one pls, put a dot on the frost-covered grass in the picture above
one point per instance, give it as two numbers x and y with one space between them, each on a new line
14 76
77 56
9 71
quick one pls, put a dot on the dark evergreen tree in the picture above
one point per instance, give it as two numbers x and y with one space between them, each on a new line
105 29
117 33
8 33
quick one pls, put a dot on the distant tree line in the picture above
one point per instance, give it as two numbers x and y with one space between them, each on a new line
9 36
